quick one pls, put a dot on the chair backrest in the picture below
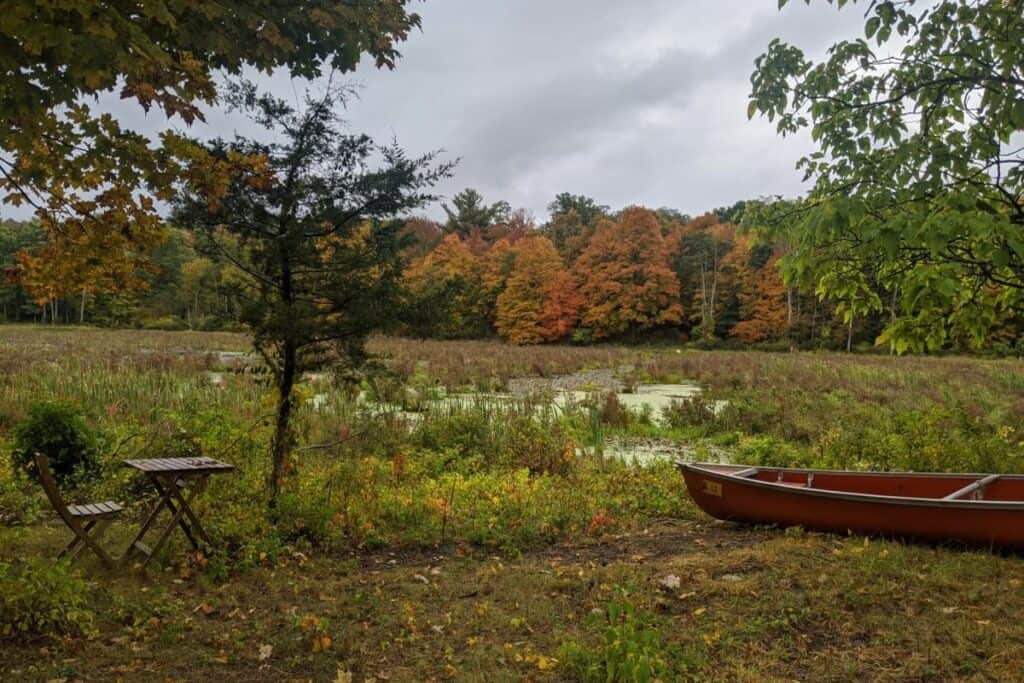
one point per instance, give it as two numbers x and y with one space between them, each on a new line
50 487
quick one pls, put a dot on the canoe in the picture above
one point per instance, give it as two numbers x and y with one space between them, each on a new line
976 509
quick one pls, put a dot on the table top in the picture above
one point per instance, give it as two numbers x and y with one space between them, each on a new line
179 466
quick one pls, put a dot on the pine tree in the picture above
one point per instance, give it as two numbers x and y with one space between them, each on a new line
305 220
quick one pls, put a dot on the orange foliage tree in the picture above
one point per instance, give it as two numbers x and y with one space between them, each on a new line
624 279
447 292
761 293
539 302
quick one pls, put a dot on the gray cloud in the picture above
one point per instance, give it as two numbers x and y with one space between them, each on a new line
629 102
641 102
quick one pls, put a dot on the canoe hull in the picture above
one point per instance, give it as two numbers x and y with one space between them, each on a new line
721 495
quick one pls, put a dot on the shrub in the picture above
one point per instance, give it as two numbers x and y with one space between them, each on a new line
631 651
582 336
58 431
19 503
539 446
691 412
167 322
43 598
613 413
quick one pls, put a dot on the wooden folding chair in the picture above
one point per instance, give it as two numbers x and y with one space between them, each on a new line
81 519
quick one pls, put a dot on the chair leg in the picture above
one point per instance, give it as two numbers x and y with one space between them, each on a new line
83 539
101 528
76 542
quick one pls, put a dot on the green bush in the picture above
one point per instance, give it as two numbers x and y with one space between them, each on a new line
540 445
631 651
582 336
20 503
167 322
43 598
696 411
58 431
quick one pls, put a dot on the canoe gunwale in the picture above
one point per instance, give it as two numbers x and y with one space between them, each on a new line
705 469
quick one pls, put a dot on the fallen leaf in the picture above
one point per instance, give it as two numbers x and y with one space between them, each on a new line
546 663
671 582
712 638
265 652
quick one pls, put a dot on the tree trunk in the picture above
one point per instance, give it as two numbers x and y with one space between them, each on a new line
711 304
849 334
892 319
81 309
814 319
282 443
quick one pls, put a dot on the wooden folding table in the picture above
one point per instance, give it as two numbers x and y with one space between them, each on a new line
178 481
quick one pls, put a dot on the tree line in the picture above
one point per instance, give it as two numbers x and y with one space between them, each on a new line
586 274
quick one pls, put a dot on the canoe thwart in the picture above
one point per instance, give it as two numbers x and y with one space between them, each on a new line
749 472
972 487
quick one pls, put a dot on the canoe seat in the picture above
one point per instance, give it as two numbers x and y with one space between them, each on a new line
794 484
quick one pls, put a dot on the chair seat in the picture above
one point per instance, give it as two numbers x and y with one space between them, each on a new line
95 509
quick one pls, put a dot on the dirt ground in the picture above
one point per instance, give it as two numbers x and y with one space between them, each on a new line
733 603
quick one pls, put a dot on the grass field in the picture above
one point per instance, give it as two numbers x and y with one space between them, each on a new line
484 540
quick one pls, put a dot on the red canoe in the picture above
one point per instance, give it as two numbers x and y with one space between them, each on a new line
979 509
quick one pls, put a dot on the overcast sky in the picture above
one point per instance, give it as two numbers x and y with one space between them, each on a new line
640 102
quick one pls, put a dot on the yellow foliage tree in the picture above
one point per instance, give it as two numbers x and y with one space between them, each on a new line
539 302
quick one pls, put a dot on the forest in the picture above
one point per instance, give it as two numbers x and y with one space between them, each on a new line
712 281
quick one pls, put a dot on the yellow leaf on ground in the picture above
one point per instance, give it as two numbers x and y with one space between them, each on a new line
546 663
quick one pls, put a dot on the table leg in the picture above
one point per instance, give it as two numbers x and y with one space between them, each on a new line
165 534
186 505
165 492
180 507
160 504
